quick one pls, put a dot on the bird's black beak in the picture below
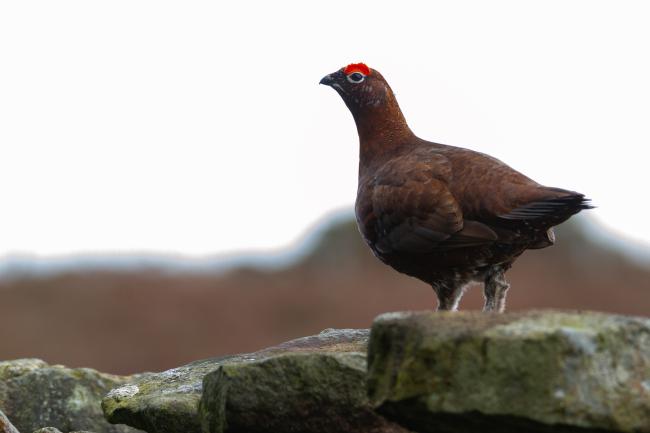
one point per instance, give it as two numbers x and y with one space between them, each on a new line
327 80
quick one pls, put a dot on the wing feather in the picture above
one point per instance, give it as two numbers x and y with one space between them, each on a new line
417 213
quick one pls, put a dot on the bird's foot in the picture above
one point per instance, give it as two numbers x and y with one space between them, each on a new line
496 289
449 298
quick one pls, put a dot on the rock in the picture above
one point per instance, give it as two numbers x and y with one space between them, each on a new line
56 430
533 372
34 394
5 425
168 402
295 392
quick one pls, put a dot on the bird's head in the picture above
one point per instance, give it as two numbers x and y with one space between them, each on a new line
360 87
371 102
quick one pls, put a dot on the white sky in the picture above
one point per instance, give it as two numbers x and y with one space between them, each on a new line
199 126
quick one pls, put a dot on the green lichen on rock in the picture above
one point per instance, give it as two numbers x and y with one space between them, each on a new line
307 393
34 394
538 371
168 402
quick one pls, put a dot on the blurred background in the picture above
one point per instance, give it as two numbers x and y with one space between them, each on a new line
175 185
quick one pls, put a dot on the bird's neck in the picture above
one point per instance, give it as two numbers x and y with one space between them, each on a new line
383 132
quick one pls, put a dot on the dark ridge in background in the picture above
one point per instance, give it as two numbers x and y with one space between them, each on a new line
133 320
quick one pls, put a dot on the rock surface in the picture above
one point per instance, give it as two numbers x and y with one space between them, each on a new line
534 372
467 372
295 392
5 425
168 402
56 430
34 394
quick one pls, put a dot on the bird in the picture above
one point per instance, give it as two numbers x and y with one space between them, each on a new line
446 215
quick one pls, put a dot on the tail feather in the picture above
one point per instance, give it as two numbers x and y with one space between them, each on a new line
549 212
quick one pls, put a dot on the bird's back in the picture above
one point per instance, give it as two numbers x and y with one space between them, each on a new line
488 188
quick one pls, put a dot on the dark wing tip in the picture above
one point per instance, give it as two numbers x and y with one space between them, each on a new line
586 203
554 210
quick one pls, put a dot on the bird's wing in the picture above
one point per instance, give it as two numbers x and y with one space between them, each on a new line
416 212
494 193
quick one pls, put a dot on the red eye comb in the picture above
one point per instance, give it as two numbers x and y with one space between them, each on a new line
357 67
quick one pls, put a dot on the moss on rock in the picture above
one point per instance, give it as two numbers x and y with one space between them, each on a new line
540 371
307 393
168 402
34 394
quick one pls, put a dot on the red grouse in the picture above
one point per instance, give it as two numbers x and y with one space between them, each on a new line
446 215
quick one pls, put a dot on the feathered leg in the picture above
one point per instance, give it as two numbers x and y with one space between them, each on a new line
496 288
449 296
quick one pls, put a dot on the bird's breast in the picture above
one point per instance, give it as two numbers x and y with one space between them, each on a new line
366 218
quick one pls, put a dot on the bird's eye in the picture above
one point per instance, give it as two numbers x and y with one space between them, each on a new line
356 77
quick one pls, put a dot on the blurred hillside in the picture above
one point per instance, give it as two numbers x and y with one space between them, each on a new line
135 320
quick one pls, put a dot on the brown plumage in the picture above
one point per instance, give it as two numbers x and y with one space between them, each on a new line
443 214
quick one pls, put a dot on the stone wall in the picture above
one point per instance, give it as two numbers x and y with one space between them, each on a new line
541 371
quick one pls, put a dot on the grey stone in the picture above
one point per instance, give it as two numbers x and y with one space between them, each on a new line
168 402
34 394
5 425
56 430
294 392
535 372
